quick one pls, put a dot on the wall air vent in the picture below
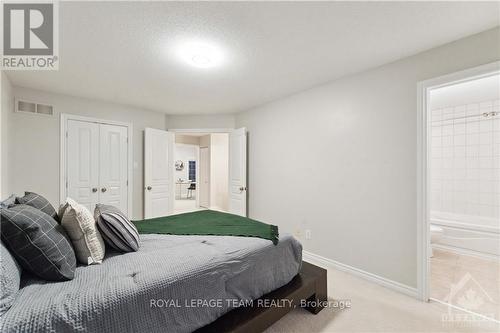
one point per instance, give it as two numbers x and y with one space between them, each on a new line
33 107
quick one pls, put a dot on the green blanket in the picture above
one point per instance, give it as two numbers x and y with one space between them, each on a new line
208 222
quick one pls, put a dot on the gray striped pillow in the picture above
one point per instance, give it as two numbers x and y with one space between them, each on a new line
116 229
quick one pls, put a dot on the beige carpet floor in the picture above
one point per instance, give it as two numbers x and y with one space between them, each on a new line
378 309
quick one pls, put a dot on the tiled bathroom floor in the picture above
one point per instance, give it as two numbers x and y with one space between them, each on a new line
466 281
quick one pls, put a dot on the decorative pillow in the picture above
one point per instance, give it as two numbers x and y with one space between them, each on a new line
36 200
10 279
39 244
9 201
116 228
80 225
61 210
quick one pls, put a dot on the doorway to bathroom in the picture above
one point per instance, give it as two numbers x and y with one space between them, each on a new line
459 186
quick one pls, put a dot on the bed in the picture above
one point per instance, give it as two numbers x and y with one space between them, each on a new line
172 284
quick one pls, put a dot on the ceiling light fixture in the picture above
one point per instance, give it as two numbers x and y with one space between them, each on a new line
201 55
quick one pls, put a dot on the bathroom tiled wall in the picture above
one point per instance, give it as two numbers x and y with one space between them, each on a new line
464 160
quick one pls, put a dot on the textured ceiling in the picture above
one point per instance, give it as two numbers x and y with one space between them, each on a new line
125 52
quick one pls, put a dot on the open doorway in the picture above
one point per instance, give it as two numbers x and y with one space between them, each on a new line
222 185
461 191
201 172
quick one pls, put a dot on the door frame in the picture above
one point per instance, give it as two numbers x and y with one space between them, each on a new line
63 148
423 139
209 178
207 131
197 148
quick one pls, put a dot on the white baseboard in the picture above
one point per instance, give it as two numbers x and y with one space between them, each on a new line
217 208
325 262
478 239
466 252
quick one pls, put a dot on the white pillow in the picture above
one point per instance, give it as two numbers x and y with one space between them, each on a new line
80 226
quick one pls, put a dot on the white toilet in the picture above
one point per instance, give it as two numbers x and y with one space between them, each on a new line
436 235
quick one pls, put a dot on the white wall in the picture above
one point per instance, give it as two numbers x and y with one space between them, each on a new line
475 91
340 159
200 121
219 170
33 159
187 139
185 153
7 104
205 141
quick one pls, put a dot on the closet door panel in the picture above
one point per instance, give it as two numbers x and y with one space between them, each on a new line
82 151
113 167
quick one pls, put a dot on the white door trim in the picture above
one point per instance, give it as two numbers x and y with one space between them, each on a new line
62 153
423 237
209 206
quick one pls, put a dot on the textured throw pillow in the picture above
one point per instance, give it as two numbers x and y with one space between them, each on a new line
62 209
116 228
39 244
8 202
80 225
10 279
38 202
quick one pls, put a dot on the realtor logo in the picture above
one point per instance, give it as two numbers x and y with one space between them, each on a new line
29 39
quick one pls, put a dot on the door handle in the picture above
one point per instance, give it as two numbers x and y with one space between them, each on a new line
149 188
103 190
243 188
94 189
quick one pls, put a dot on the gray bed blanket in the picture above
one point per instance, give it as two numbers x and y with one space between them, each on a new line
172 284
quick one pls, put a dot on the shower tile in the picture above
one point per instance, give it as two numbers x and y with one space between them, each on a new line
486 104
466 158
472 108
459 140
472 127
486 126
472 139
486 150
459 128
496 124
459 151
486 210
447 141
486 138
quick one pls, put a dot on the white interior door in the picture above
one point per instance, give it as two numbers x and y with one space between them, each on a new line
158 173
204 187
113 166
82 162
238 172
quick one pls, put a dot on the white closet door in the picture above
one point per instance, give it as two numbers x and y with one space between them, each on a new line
82 151
113 166
238 172
158 173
